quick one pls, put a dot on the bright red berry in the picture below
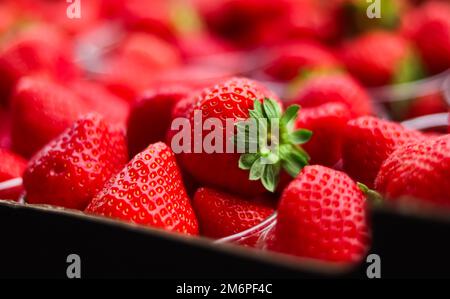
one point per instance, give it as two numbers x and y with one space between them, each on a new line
12 166
72 169
148 191
221 214
322 215
339 88
419 170
368 142
328 123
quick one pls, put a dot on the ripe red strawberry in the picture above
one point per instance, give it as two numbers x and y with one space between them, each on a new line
368 142
397 63
419 170
12 166
101 100
287 61
5 129
428 26
72 169
221 214
151 116
339 88
27 56
41 110
236 100
148 191
322 215
328 123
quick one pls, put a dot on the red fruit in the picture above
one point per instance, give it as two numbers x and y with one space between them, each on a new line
28 56
322 215
148 191
221 214
288 60
396 64
425 105
233 100
428 26
338 88
369 141
5 129
328 123
12 166
99 99
41 110
419 170
151 117
72 169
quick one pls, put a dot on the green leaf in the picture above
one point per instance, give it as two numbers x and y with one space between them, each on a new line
257 111
271 109
301 136
257 170
294 159
246 161
271 177
372 196
289 115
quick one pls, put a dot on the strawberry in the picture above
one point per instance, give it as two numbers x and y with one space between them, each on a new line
288 60
5 129
368 142
72 168
27 56
41 110
328 123
101 100
150 116
221 214
234 101
334 87
425 105
419 170
398 63
428 26
322 215
12 166
148 191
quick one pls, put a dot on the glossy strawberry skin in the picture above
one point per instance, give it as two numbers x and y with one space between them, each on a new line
148 191
363 60
339 88
221 214
12 166
328 123
288 60
419 170
72 169
231 99
322 215
368 143
41 110
151 116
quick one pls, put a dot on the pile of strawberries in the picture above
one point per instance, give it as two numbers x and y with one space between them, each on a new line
87 108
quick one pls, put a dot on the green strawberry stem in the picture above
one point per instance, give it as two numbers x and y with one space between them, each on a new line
277 129
372 196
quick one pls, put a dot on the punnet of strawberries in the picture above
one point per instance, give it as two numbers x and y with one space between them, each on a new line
123 109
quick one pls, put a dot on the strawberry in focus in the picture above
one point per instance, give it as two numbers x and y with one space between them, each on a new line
221 214
322 215
419 171
72 169
368 142
148 191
